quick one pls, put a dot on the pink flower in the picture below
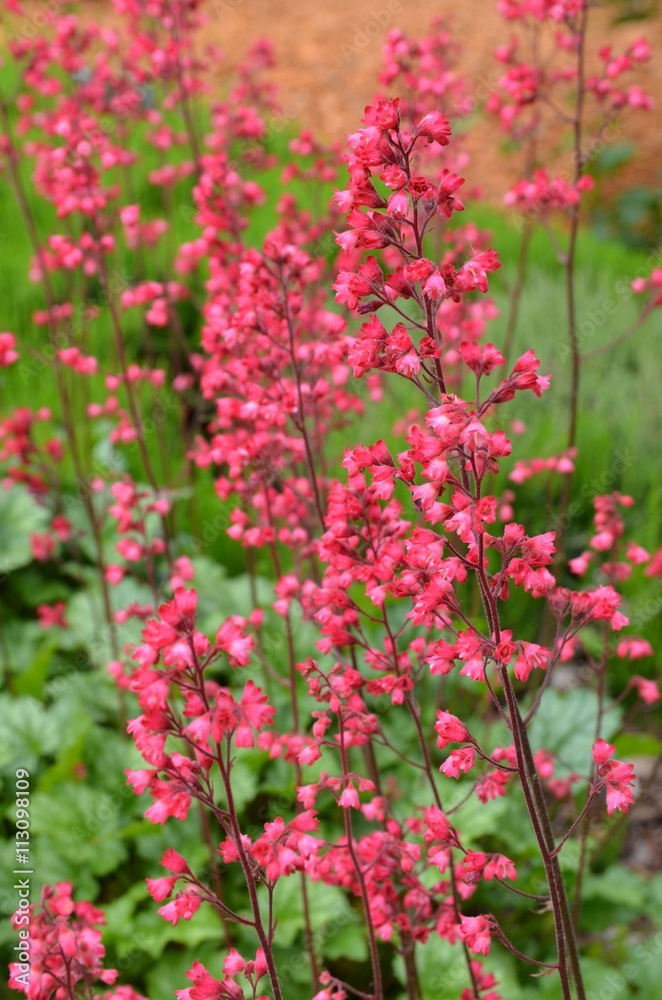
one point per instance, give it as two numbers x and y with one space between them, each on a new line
206 987
160 888
174 862
8 355
182 907
613 775
499 867
43 547
52 615
64 944
72 357
474 273
619 793
435 127
459 761
233 963
648 690
531 656
349 798
633 648
475 932
580 564
441 657
252 712
450 730
602 751
232 639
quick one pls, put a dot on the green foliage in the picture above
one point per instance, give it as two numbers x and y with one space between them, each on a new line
633 10
565 724
20 516
61 713
30 733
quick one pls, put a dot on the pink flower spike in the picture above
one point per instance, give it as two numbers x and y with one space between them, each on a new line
233 963
648 690
450 729
602 751
160 888
349 798
435 127
475 932
459 761
172 861
181 908
633 648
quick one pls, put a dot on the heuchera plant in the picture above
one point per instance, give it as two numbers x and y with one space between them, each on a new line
554 85
391 581
66 951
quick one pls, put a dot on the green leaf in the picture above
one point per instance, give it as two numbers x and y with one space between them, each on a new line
637 745
613 156
153 936
77 829
244 783
656 900
33 680
92 693
87 625
64 769
22 639
645 968
346 941
329 909
220 596
119 930
565 724
20 516
617 885
479 819
600 980
441 970
29 732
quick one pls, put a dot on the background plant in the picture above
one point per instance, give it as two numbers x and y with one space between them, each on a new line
98 540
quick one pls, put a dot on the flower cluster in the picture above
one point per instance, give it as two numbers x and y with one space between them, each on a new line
377 581
65 950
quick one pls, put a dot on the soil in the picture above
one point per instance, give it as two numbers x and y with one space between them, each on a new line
329 56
